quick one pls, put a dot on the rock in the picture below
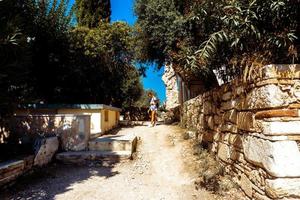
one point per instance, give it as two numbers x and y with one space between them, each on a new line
46 151
269 96
239 90
217 120
210 122
191 134
224 152
226 96
255 177
277 113
279 159
207 107
281 71
246 185
245 121
258 196
236 140
283 187
228 105
278 127
230 116
229 128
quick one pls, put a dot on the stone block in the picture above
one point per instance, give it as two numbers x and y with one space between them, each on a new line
230 116
239 90
279 159
226 96
224 152
228 105
281 71
217 120
277 113
217 136
236 140
283 187
210 122
275 128
229 128
46 151
246 185
255 177
207 107
269 96
245 121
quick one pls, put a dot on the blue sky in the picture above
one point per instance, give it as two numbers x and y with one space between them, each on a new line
122 10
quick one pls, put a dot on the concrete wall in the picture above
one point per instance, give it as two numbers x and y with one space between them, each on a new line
95 115
253 127
97 118
113 119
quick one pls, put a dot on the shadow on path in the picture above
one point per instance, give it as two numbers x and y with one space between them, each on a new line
56 179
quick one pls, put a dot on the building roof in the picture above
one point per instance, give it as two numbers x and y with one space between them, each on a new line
68 106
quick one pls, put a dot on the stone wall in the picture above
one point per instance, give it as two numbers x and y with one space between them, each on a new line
73 131
253 127
12 169
172 94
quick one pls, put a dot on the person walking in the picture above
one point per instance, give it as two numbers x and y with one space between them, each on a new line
153 108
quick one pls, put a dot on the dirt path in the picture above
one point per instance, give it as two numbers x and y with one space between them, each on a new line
158 173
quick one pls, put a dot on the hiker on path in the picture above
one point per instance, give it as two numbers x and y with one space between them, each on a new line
153 108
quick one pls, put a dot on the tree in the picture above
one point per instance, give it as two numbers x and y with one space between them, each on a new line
144 100
91 13
202 36
15 52
104 57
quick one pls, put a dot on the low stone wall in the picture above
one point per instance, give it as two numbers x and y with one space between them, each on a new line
253 127
73 131
10 170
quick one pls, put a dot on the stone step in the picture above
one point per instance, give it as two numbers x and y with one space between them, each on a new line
84 156
114 143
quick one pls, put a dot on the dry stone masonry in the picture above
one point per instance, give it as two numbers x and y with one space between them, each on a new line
253 127
172 93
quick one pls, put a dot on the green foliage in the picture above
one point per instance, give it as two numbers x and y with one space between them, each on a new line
103 57
43 57
15 56
201 36
91 13
144 100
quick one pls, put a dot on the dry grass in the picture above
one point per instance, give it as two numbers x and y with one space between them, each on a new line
211 172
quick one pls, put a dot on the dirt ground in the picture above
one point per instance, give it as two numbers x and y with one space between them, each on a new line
159 172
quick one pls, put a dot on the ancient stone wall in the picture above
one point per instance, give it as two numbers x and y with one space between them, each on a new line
253 126
170 80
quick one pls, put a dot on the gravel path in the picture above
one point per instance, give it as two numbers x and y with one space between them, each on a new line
157 173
